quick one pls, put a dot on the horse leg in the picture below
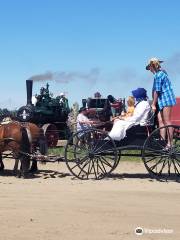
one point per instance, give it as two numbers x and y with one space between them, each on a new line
34 167
43 150
16 166
1 163
25 148
25 163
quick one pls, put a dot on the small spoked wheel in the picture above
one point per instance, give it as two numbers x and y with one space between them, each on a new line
91 154
161 152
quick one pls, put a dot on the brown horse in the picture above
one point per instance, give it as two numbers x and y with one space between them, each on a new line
22 139
38 142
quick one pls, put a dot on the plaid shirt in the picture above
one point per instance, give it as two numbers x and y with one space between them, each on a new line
163 87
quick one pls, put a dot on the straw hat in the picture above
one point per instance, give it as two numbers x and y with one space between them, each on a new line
155 62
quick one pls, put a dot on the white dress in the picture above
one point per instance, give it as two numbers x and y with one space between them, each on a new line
140 116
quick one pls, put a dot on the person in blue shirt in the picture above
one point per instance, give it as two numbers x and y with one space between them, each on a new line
162 93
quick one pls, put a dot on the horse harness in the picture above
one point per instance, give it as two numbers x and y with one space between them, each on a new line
6 122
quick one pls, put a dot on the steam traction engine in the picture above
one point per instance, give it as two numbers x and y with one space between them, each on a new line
47 112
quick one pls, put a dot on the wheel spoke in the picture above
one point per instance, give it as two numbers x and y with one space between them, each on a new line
89 169
169 167
158 142
102 144
175 168
156 164
151 159
177 161
94 169
103 169
80 162
163 166
156 154
106 162
82 169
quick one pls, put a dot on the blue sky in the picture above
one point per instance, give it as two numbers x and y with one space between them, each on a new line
86 46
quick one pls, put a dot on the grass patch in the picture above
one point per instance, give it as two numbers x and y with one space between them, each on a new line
131 158
56 151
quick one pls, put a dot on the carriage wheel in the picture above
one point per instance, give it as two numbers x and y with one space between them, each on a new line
91 155
159 159
51 133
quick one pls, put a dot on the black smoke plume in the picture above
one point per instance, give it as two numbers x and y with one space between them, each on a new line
172 65
66 77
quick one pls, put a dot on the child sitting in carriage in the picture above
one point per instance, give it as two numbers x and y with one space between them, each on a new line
131 106
130 109
139 117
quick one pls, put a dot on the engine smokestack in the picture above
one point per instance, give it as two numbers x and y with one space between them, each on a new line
29 85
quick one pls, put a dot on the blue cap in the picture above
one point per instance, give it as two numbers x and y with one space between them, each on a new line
139 93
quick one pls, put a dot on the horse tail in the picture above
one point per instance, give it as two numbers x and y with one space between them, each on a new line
25 143
25 147
43 147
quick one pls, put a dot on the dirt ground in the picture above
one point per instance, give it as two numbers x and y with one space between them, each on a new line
55 206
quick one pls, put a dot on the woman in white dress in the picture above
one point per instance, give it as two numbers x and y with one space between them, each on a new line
140 116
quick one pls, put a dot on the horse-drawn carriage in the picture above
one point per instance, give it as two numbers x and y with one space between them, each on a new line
93 154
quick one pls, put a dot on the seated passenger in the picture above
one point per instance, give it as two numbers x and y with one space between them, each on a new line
115 105
83 121
141 113
131 106
130 109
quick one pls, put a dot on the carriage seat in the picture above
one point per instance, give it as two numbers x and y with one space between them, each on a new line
145 129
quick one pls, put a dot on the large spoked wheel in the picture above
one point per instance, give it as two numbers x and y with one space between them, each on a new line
91 154
161 152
